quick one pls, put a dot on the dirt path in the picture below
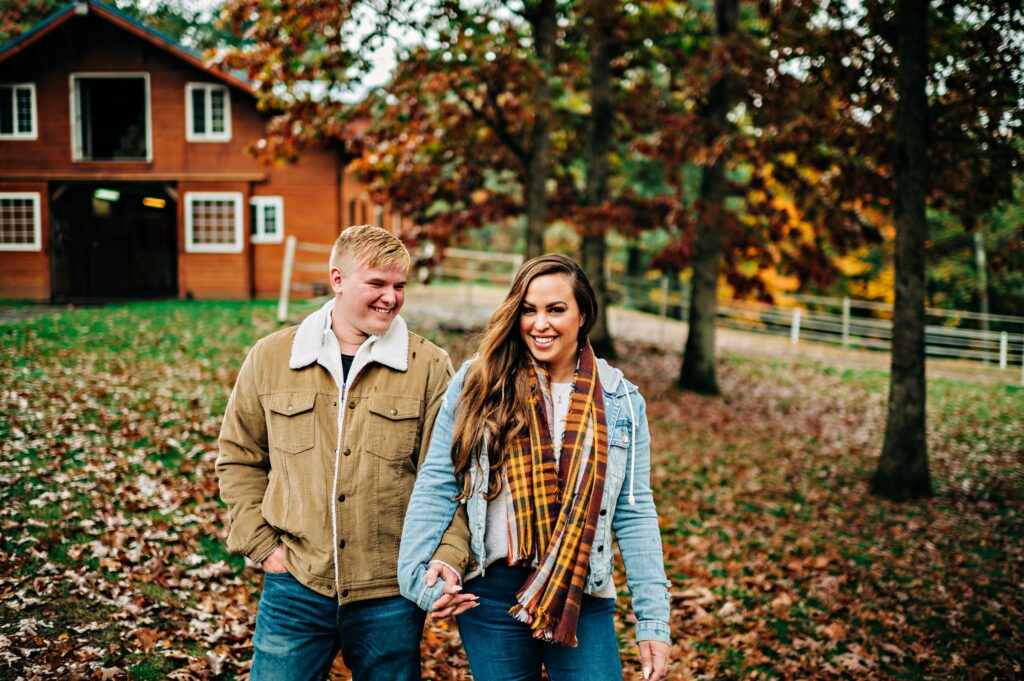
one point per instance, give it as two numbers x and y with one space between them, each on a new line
455 306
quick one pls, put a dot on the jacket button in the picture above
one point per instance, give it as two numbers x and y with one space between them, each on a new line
290 407
599 548
341 497
394 412
604 511
341 544
344 594
334 403
599 582
352 404
347 451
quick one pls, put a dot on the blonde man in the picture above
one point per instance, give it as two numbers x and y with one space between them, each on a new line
324 432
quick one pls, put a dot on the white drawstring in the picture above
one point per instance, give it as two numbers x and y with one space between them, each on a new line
632 463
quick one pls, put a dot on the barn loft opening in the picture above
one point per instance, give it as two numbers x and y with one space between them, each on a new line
111 118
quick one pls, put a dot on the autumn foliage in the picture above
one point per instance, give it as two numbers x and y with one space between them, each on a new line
112 560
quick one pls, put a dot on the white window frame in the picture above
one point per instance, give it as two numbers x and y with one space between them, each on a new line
259 235
191 136
15 135
37 233
76 115
190 245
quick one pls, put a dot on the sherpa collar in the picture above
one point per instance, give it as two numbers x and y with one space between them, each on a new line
391 349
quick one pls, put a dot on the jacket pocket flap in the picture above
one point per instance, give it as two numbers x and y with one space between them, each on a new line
395 408
289 404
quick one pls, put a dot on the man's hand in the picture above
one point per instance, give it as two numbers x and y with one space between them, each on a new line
452 602
275 561
654 659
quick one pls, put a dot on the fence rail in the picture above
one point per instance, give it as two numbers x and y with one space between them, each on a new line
954 334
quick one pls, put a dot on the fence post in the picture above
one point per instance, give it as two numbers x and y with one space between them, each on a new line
471 270
286 278
846 322
794 330
663 312
1004 347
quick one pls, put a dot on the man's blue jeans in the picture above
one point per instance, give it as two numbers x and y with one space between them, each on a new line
501 648
299 632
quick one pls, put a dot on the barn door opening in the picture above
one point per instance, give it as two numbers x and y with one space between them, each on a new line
113 240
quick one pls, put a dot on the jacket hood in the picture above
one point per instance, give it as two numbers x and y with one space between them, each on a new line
609 375
391 349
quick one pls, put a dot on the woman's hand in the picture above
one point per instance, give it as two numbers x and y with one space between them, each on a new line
275 561
654 659
452 602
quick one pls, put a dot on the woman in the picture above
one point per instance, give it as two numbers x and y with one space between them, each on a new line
548 448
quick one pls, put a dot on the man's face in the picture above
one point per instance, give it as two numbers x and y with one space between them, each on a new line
366 300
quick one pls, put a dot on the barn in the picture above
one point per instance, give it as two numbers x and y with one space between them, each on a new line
124 172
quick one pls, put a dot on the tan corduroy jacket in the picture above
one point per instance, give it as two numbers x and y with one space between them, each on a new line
336 504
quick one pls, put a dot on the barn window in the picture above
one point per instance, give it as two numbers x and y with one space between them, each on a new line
213 222
207 113
18 111
111 117
267 219
19 221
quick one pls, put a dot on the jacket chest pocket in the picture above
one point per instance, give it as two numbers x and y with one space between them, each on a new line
394 425
291 422
618 450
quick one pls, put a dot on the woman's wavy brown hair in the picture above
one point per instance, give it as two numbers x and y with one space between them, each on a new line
495 400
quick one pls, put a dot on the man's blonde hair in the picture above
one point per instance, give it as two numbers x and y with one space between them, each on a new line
376 248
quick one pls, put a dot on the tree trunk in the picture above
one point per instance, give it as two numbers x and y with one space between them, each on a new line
698 370
903 467
543 19
601 129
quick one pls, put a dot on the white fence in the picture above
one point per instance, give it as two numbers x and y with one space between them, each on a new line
842 321
458 263
290 267
465 265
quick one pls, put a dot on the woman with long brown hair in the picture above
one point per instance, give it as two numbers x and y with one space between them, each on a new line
548 449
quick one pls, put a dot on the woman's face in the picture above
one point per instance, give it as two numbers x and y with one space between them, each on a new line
550 322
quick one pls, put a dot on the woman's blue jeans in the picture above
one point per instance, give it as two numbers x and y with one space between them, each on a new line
501 648
299 632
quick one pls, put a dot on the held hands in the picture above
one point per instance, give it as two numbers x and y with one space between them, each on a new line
654 659
452 602
275 561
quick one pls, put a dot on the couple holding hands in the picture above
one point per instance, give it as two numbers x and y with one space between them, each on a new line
373 486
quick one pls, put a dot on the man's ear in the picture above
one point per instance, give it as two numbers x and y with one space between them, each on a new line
336 276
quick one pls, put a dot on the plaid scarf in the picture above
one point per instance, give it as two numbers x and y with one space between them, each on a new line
554 507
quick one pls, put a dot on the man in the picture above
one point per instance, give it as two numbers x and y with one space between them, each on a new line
323 434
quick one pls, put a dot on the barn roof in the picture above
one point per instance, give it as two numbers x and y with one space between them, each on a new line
83 8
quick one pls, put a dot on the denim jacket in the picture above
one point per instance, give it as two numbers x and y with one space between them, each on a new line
627 508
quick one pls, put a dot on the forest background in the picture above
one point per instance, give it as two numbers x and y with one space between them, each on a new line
450 140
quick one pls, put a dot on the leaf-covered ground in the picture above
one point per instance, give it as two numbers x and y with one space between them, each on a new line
112 562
